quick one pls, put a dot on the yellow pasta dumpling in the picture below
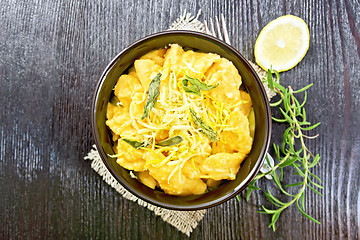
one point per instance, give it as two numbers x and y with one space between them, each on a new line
237 137
125 88
119 120
157 56
196 64
178 183
191 168
129 157
222 165
144 68
173 56
226 91
229 70
147 179
246 103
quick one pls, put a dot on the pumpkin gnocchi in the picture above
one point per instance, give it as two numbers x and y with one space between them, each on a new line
180 122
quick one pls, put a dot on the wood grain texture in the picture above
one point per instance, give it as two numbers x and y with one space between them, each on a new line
51 56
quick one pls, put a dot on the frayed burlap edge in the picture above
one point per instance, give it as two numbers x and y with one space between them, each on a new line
188 22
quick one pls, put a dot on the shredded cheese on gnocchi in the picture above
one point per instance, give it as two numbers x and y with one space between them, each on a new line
185 167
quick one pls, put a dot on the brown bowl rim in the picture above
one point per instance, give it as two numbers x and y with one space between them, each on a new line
239 188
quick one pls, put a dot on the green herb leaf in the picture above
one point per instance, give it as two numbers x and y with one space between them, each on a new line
287 117
196 85
248 194
316 177
278 119
164 143
277 181
250 188
289 162
315 184
203 127
153 93
268 211
315 161
274 219
170 141
305 98
314 189
274 199
270 79
303 89
311 127
276 103
281 88
294 184
253 187
305 214
190 89
136 144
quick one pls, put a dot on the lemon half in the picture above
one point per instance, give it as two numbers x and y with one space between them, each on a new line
282 43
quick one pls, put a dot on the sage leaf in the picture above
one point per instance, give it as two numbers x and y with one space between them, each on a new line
170 141
203 127
164 143
153 93
196 85
136 144
190 89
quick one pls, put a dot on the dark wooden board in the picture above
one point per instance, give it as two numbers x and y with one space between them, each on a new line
51 56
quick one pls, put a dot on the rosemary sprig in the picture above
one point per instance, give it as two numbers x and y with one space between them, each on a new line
291 153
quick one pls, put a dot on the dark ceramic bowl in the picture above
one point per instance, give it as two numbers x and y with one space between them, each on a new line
203 43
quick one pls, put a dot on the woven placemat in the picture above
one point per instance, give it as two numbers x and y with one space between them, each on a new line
184 221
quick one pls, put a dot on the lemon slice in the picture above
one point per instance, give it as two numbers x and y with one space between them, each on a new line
282 43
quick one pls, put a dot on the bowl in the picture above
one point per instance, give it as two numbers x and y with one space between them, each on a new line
202 43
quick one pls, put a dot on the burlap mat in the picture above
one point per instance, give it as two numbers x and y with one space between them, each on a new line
185 221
